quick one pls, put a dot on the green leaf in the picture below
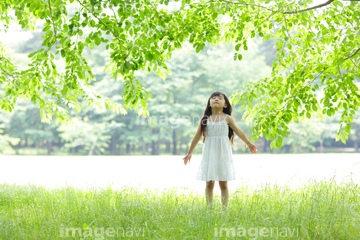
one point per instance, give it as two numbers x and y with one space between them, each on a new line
273 144
149 56
314 107
80 46
328 112
197 49
64 90
343 140
347 128
192 37
279 142
295 119
113 69
97 41
92 23
127 25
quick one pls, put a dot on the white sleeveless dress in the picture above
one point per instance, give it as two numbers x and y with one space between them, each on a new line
217 162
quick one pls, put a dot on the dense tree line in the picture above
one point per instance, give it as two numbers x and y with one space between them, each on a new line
175 109
310 70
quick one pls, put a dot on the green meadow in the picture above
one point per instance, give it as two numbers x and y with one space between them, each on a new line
317 210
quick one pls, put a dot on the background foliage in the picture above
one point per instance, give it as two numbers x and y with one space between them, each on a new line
299 64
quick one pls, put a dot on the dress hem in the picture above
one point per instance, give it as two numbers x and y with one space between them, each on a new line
216 179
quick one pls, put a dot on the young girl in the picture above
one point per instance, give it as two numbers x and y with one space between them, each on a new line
217 128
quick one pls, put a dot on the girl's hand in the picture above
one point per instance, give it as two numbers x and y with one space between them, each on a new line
187 158
252 147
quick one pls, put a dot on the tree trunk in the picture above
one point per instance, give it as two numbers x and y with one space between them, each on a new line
152 148
321 146
113 145
119 149
167 146
37 148
294 147
174 134
127 148
155 144
92 148
174 142
49 147
287 148
356 146
158 147
265 142
16 148
143 147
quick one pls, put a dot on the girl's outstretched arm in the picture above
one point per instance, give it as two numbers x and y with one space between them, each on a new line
240 133
194 142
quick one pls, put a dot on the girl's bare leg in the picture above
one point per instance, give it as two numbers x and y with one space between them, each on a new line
224 193
209 192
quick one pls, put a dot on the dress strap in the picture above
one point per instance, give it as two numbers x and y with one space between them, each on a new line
225 117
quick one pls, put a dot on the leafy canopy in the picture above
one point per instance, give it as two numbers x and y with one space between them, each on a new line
317 46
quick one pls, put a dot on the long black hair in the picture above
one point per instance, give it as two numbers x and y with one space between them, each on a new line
208 112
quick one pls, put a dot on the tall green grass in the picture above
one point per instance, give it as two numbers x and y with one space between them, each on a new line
318 210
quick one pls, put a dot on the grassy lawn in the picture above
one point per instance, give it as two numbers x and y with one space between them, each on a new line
318 210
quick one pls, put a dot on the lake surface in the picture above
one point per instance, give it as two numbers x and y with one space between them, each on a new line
161 172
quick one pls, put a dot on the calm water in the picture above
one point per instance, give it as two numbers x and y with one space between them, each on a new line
161 172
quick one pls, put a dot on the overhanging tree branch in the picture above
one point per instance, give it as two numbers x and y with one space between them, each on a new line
102 24
52 19
352 54
292 97
11 75
354 64
278 11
